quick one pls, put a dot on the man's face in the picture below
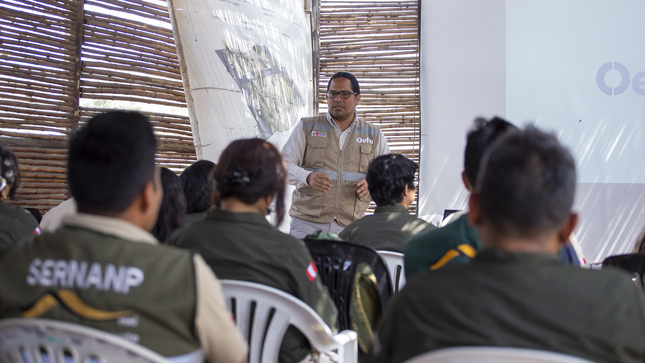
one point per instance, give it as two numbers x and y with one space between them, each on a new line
339 108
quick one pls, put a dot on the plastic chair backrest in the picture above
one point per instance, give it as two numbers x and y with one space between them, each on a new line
337 262
494 355
42 340
633 263
263 314
394 262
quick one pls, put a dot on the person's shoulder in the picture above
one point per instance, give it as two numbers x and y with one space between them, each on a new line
14 213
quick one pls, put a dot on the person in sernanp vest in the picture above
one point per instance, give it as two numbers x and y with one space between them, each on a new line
103 269
238 243
16 223
327 159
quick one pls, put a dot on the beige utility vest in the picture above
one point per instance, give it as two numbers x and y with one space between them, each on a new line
141 292
344 167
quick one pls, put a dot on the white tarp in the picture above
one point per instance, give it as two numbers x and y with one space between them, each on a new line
573 67
246 67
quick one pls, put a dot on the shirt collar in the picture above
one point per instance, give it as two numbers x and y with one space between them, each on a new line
239 217
335 125
111 226
397 208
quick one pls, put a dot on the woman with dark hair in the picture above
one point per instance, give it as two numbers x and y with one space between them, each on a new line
16 223
238 242
173 206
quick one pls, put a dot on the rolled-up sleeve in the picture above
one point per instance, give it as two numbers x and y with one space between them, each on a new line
218 336
293 152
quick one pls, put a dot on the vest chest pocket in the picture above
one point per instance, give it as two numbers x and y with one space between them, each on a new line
367 154
315 153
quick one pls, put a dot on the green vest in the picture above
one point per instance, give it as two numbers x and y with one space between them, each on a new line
142 292
344 167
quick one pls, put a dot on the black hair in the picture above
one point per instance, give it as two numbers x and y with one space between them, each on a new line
249 169
9 169
173 206
197 186
387 176
355 87
110 160
36 213
527 183
482 135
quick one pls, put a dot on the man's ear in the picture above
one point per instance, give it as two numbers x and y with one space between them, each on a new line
148 193
475 212
358 99
406 191
567 228
466 182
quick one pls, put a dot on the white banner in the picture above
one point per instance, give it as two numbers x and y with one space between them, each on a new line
246 67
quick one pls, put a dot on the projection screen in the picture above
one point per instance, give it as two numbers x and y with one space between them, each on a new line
574 67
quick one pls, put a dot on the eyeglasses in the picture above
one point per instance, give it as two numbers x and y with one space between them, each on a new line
343 94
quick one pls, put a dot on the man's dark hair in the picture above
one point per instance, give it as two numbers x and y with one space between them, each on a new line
355 87
173 206
527 183
110 160
9 169
387 176
482 135
197 185
249 169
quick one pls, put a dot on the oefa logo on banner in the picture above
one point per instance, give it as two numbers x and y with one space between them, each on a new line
638 82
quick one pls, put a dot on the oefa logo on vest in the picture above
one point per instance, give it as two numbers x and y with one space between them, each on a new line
366 140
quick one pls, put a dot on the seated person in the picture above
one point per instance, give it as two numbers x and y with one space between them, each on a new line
390 181
16 223
238 242
516 293
173 207
457 242
198 187
103 269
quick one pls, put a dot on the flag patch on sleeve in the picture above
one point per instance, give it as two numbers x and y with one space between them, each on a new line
312 271
37 231
318 133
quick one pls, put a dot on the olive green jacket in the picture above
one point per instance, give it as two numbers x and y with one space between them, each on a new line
387 229
521 300
244 246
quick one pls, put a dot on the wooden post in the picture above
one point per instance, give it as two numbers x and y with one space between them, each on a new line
78 66
315 48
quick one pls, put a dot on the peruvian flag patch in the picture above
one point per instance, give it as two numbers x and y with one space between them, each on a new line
312 271
318 133
37 231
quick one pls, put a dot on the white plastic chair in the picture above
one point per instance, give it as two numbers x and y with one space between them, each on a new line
263 314
494 355
42 340
394 262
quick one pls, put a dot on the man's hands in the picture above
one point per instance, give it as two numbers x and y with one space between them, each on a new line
362 191
319 180
322 182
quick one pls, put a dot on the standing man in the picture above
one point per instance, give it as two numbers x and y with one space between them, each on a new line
327 159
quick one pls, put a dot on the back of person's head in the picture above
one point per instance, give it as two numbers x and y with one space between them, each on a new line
173 206
526 184
197 186
480 137
9 171
355 86
387 176
110 160
249 169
